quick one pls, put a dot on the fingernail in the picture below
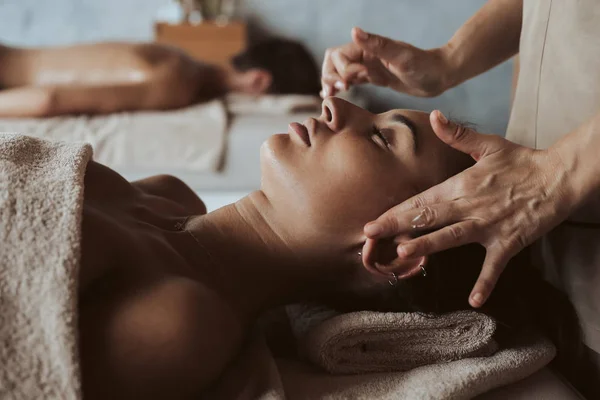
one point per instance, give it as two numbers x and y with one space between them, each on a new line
442 118
372 230
406 250
361 34
362 75
339 85
477 298
322 93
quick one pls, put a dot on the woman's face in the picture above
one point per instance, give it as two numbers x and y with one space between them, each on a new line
331 175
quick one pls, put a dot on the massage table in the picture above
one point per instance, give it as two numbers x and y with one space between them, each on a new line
238 173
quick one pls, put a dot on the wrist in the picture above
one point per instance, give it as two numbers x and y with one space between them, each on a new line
578 183
451 66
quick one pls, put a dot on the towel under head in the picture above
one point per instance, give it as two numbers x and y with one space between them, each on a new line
370 341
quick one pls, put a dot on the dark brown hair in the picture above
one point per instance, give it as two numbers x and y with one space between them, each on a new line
292 68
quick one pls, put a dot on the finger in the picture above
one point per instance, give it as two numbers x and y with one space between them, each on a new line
464 139
424 218
493 266
327 90
346 69
398 219
361 77
369 257
329 74
384 48
443 239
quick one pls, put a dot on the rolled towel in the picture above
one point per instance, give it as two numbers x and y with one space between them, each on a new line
367 341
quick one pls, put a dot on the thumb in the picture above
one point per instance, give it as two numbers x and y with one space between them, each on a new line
380 46
463 139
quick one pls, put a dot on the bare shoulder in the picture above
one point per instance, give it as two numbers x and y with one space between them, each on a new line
174 189
170 339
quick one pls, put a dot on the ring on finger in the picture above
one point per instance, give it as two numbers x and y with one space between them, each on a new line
424 219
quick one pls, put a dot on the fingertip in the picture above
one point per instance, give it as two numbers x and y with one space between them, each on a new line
407 250
359 33
477 299
441 117
437 117
372 230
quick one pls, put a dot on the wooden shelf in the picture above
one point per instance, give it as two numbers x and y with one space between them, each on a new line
207 41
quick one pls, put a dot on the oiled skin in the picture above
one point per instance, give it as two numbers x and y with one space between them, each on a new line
101 78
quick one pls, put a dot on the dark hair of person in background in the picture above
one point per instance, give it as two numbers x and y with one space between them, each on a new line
293 69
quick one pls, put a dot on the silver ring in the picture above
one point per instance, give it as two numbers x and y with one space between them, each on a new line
394 280
423 270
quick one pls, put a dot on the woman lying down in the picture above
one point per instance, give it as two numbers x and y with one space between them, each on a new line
168 293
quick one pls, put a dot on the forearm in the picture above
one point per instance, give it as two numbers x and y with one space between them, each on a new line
578 153
488 38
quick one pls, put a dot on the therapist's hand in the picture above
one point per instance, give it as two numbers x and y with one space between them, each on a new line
382 61
509 198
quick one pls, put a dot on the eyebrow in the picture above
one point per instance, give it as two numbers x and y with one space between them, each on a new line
404 120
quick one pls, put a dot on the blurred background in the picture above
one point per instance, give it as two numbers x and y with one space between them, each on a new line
319 24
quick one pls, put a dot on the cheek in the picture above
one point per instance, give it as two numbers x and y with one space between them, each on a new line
333 190
351 187
285 177
276 163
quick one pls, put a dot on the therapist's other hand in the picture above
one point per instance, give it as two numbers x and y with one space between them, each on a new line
509 198
382 61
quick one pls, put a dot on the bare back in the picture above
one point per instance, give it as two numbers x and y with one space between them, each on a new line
100 78
99 63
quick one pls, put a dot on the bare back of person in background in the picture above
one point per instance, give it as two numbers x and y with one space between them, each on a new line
109 77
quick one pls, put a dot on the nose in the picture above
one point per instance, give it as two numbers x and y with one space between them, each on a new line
332 113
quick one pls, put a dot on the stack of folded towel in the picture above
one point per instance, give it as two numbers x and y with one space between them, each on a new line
363 342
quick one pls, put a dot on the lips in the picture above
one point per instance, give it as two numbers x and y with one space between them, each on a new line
300 130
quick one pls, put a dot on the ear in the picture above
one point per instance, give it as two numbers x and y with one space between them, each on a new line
257 80
380 257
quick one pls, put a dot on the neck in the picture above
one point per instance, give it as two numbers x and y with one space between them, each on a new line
253 264
213 81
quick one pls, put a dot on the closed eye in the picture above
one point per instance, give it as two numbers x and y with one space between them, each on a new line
379 137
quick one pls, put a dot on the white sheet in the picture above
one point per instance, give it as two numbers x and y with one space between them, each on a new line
241 170
189 140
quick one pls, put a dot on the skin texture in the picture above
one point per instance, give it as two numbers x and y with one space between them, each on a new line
164 301
111 77
371 58
513 195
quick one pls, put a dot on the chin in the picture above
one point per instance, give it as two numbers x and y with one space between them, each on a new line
272 153
271 150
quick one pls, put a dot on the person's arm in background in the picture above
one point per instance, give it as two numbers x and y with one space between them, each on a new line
488 38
